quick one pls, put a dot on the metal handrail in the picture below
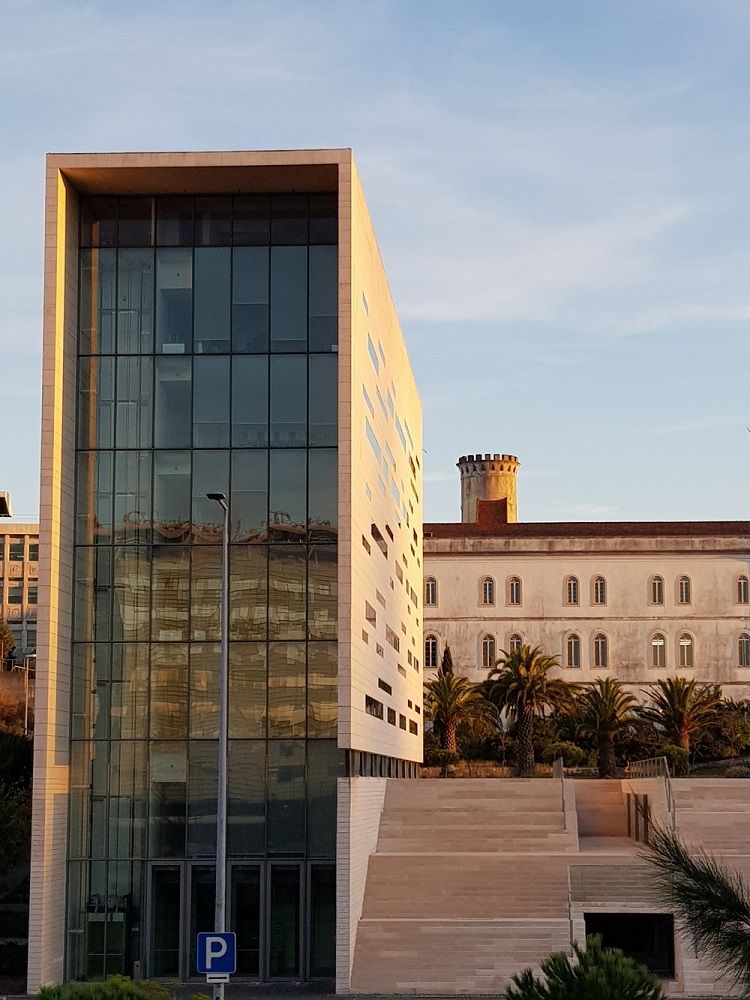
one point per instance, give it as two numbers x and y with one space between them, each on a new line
656 767
558 771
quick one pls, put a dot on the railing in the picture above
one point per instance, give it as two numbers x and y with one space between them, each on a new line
657 768
558 771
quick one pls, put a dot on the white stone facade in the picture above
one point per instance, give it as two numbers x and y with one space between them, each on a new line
634 601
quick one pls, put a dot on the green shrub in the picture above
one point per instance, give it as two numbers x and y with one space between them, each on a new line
572 755
677 758
737 771
441 758
113 988
597 973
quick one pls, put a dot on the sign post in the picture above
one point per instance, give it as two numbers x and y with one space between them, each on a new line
216 956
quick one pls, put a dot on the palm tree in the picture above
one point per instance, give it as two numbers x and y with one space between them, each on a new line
523 688
682 708
451 700
602 710
711 903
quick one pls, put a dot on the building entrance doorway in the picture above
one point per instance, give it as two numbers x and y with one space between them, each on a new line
283 913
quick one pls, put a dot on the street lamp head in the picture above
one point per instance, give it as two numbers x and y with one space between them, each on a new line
220 498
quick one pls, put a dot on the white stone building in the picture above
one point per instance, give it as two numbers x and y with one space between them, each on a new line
633 600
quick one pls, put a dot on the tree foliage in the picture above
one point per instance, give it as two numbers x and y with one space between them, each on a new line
522 687
451 701
603 710
711 903
7 641
597 973
682 709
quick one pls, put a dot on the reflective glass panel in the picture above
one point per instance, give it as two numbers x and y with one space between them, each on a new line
94 498
213 222
289 400
169 690
212 300
132 592
171 496
205 660
286 690
322 517
127 799
166 907
133 407
96 402
170 605
286 796
247 690
174 301
322 592
210 475
252 220
322 690
246 805
323 920
134 224
323 399
97 302
202 800
289 218
250 299
173 394
99 222
286 502
205 618
250 401
323 218
288 298
174 222
132 495
323 298
211 403
129 696
247 594
135 302
245 918
249 504
323 768
286 592
167 787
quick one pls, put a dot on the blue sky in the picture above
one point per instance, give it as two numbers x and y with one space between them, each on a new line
560 192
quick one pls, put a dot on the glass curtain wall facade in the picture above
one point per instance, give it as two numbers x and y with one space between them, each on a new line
207 341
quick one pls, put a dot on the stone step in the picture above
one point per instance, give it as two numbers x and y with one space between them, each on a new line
450 957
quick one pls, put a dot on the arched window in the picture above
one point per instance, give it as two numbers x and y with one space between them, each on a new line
573 650
515 641
686 650
684 595
571 590
430 592
743 597
658 650
514 590
431 651
656 590
488 590
488 651
601 650
743 650
599 590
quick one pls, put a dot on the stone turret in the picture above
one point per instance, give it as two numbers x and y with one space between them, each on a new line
488 477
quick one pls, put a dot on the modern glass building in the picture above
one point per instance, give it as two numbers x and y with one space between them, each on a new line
217 323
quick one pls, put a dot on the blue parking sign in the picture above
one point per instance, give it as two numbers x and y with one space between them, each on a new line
216 953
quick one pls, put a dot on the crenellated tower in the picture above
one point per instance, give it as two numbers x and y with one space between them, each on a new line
488 477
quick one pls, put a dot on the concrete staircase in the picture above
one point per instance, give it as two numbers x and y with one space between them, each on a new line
468 885
600 808
714 813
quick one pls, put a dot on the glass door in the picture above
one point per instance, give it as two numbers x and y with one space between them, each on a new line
165 910
245 917
322 921
284 921
202 907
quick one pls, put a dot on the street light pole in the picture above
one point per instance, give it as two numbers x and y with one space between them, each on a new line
220 915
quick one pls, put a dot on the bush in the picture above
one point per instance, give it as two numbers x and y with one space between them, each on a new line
596 974
572 755
442 758
737 771
677 758
113 988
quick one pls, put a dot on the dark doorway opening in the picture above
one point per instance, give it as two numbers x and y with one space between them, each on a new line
646 937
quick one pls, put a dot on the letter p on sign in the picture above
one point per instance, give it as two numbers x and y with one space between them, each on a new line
216 953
